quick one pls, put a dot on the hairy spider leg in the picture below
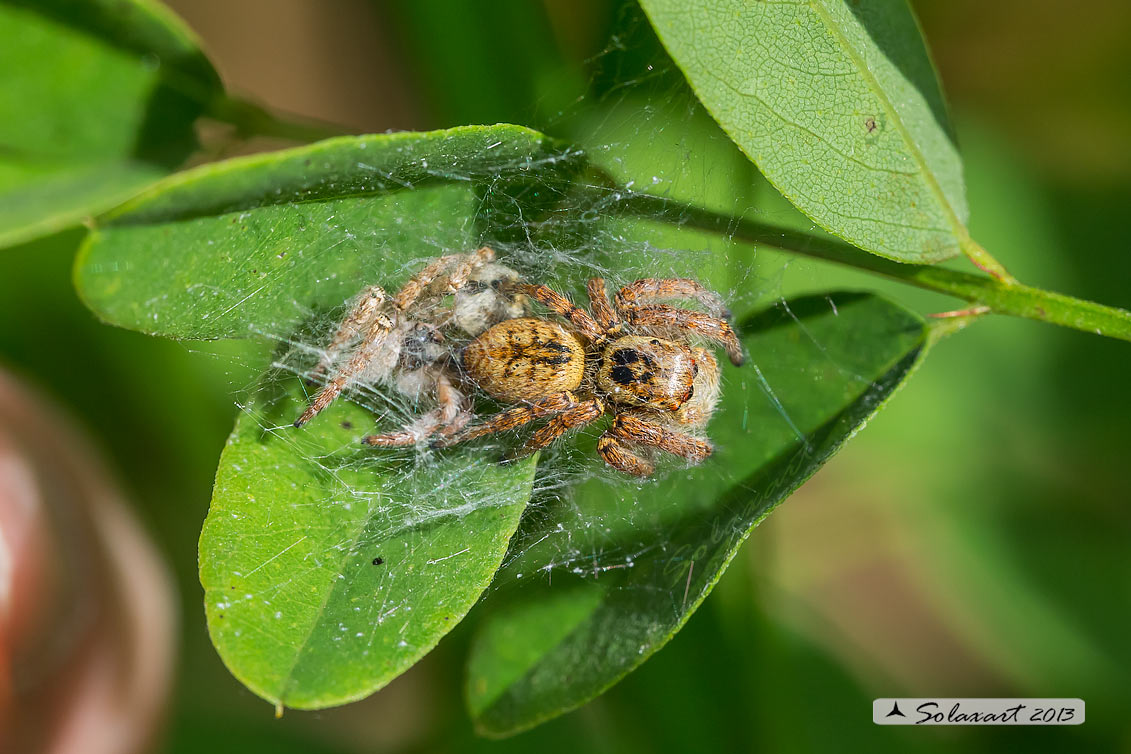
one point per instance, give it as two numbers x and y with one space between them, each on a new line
371 344
698 323
513 418
467 264
559 304
614 453
650 289
450 416
359 319
628 429
584 413
472 262
600 306
380 324
631 428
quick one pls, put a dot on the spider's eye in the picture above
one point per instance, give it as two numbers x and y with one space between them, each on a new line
694 369
622 375
625 356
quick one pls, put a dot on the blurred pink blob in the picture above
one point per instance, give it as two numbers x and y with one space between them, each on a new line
86 609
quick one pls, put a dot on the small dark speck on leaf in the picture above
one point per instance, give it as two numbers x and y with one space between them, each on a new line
378 561
1040 311
282 255
348 425
870 124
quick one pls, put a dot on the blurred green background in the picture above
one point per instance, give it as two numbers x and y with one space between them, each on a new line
973 541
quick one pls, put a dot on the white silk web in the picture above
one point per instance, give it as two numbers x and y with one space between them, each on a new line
643 131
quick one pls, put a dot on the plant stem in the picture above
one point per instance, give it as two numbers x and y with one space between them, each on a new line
944 328
999 295
985 262
254 120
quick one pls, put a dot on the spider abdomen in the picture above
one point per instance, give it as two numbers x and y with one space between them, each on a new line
524 359
648 372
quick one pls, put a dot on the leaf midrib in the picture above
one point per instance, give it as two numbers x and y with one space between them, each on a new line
957 226
288 679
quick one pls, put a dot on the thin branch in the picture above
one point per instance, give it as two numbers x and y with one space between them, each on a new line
985 262
1000 296
253 120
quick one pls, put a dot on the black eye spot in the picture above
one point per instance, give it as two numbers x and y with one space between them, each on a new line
625 356
621 375
654 342
378 561
694 370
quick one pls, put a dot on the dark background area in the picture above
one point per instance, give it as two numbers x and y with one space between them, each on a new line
971 542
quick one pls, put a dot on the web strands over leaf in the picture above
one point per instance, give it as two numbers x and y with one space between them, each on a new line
601 572
400 507
331 567
574 528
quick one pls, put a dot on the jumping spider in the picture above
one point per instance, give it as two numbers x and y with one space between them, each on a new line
623 358
401 341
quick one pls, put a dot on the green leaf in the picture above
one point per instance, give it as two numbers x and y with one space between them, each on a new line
328 568
838 105
591 602
251 245
718 178
98 99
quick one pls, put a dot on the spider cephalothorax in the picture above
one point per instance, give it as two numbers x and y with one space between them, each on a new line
627 359
401 341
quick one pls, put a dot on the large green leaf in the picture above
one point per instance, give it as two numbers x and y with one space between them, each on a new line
329 568
251 245
610 572
98 98
839 106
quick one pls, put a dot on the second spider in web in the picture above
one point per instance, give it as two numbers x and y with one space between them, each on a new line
401 342
634 361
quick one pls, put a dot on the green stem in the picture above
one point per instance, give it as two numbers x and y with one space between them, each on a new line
985 262
998 294
947 326
254 120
